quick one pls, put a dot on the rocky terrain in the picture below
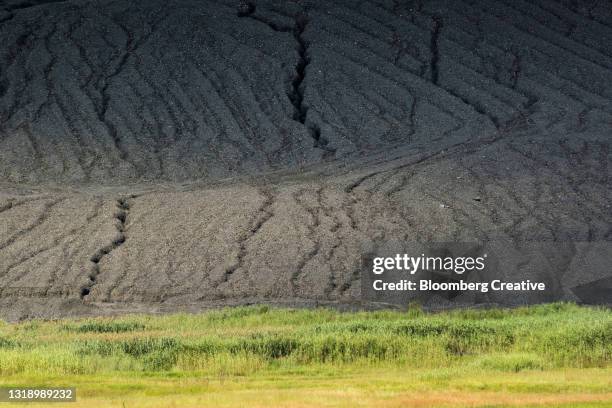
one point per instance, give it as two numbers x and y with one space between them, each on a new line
184 154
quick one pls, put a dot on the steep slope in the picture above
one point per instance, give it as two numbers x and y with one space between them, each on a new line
113 92
227 152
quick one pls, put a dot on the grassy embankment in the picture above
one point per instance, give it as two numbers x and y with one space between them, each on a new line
553 355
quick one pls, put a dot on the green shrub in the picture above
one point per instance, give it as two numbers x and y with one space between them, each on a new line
512 362
6 343
106 327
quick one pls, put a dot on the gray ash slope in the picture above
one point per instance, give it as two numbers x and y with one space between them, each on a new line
290 136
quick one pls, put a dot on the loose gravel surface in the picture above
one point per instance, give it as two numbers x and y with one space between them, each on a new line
178 155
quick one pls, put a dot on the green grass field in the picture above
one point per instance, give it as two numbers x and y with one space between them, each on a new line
550 355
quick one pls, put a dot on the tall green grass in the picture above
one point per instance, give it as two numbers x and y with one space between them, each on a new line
243 340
